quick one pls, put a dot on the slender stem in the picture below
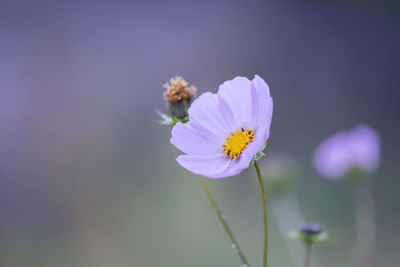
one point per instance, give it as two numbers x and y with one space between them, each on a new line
264 199
307 255
221 217
364 207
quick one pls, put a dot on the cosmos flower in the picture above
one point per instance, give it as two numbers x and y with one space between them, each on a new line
345 151
226 130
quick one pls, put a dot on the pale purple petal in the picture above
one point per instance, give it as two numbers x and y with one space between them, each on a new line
237 94
206 132
255 103
185 138
211 167
264 125
265 105
206 111
262 86
228 114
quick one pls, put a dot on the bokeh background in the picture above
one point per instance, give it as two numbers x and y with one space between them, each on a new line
88 179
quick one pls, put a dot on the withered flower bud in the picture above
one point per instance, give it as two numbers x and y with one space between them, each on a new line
179 96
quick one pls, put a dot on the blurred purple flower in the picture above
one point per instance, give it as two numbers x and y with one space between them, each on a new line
310 228
309 233
339 154
225 130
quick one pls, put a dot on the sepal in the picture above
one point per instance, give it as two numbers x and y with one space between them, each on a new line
169 119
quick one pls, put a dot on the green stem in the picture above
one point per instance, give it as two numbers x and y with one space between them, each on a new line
264 199
221 217
364 208
307 256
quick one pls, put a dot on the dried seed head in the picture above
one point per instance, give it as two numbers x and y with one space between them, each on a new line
179 96
178 90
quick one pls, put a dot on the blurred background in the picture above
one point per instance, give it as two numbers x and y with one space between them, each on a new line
88 179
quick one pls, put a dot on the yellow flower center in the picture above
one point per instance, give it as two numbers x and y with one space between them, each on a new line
237 142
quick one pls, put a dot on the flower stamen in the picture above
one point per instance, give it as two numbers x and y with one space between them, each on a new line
237 142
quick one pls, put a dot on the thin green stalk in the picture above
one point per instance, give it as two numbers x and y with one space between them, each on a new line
221 217
307 255
264 199
364 209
